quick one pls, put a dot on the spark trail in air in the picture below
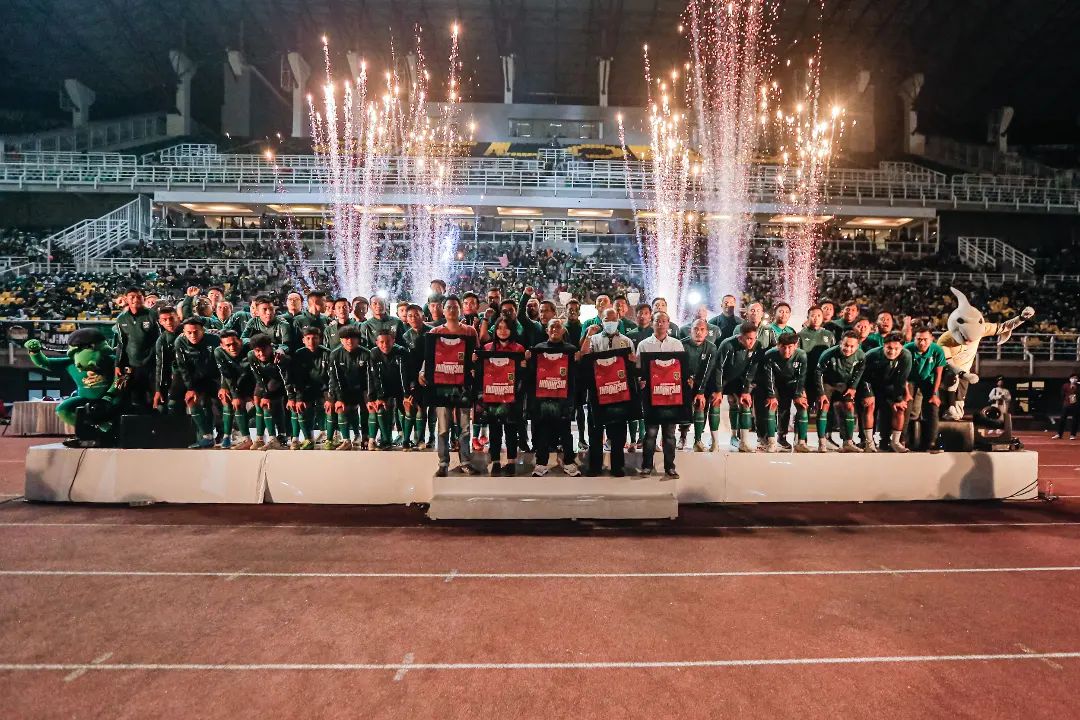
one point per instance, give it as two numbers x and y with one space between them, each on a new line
730 60
809 133
370 140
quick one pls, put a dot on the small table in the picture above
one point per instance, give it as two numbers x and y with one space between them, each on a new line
37 417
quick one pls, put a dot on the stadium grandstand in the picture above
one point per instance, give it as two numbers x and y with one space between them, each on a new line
263 225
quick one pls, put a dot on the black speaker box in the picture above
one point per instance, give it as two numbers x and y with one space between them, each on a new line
156 431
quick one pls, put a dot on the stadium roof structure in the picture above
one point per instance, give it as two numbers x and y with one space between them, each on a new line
975 54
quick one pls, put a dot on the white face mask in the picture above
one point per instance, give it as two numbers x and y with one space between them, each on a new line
611 327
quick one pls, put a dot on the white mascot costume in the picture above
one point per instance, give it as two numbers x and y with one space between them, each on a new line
961 344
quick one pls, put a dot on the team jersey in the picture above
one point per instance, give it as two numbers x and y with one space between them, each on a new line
787 374
727 324
279 330
737 367
305 320
637 334
835 369
701 364
573 331
887 378
924 365
871 342
194 363
388 376
309 371
765 337
271 377
233 371
164 355
134 337
713 332
370 329
814 342
330 333
348 374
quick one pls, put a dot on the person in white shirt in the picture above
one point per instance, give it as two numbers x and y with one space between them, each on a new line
660 341
600 338
1000 397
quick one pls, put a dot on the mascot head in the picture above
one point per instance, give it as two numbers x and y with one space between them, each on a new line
965 322
92 355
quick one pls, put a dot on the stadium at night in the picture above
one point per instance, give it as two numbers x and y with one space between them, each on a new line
529 358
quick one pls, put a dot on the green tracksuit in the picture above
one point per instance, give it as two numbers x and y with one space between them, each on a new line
348 384
308 380
836 374
701 363
197 369
737 369
782 379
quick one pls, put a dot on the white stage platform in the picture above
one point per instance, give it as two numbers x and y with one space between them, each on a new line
552 497
58 474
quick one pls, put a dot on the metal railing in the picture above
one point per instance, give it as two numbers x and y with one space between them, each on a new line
480 176
979 252
93 238
100 135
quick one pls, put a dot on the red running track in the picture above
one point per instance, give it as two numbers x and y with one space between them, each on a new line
914 610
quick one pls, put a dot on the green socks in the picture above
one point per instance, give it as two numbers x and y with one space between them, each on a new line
822 425
746 420
771 424
714 418
699 424
849 426
802 424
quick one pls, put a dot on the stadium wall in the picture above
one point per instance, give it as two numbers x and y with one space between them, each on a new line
1022 231
54 211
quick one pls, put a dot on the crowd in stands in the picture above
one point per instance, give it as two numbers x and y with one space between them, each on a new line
609 269
30 245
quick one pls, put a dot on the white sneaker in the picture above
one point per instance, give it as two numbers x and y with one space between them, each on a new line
275 444
802 447
344 445
1056 436
897 447
571 470
772 446
850 447
715 442
699 446
870 445
823 446
735 441
540 471
745 447
259 444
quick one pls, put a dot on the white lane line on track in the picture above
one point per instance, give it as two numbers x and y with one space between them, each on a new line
406 665
456 575
74 674
613 665
1048 661
256 526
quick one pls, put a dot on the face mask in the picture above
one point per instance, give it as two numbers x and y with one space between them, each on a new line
611 327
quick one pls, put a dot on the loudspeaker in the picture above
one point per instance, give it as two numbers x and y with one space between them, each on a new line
156 431
957 435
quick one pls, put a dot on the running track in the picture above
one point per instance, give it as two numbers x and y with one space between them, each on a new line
915 610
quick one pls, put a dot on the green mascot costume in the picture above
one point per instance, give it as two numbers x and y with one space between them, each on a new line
91 364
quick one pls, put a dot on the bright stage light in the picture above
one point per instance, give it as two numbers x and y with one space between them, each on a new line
694 297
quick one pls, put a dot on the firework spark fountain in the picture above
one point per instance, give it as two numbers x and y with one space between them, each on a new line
809 132
729 52
365 141
667 244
